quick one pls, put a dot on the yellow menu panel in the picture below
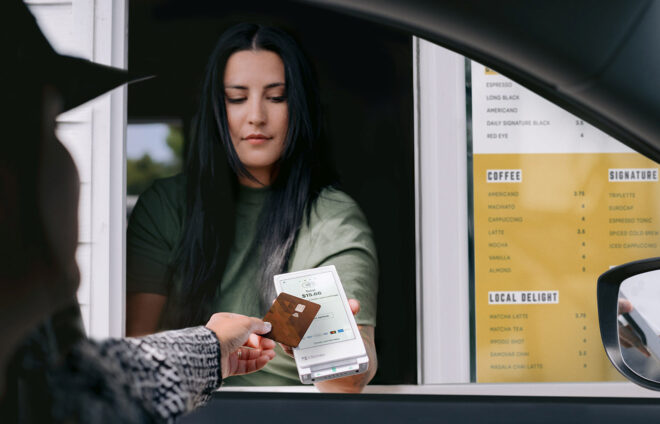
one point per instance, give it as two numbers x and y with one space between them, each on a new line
545 227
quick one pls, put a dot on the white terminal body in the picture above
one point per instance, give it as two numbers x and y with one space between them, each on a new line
332 346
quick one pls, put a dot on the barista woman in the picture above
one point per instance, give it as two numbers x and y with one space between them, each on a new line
255 199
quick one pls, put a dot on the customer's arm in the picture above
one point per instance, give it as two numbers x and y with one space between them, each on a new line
173 372
167 373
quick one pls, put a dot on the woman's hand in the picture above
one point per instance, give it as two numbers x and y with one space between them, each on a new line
624 306
351 384
242 350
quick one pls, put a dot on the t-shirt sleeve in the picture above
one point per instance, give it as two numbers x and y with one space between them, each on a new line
342 238
153 233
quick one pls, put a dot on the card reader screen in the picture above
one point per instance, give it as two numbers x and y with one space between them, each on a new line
331 324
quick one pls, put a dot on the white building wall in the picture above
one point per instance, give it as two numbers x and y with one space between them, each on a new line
95 135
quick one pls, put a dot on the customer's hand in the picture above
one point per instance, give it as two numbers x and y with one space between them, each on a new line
242 350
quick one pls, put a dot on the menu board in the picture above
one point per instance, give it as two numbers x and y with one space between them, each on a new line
556 202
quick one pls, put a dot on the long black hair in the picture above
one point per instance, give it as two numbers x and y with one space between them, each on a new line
212 165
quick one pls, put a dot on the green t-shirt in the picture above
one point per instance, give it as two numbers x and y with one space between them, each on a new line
337 234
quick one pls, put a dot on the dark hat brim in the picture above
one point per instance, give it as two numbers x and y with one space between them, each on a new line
32 62
79 80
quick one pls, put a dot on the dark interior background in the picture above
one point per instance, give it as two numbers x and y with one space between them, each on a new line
365 77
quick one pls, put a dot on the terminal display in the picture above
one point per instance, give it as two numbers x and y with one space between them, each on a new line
331 324
556 202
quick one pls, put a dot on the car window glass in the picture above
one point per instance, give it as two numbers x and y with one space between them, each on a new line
555 203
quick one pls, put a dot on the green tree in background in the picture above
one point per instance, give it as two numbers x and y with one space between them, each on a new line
175 143
141 173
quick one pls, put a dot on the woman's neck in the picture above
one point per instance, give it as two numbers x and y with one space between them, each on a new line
264 177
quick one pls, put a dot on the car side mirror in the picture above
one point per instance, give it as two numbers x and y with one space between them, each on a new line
629 319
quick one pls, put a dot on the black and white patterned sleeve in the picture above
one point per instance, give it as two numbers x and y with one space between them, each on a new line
169 373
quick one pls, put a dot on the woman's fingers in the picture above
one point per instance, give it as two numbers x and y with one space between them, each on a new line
628 338
625 306
287 349
355 305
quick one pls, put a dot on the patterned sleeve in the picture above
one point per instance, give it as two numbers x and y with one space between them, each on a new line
168 373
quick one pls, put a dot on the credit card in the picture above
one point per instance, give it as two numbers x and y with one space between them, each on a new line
290 316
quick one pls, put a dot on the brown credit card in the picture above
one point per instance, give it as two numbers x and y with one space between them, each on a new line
291 317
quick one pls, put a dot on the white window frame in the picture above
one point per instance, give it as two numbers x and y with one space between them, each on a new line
442 236
95 134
